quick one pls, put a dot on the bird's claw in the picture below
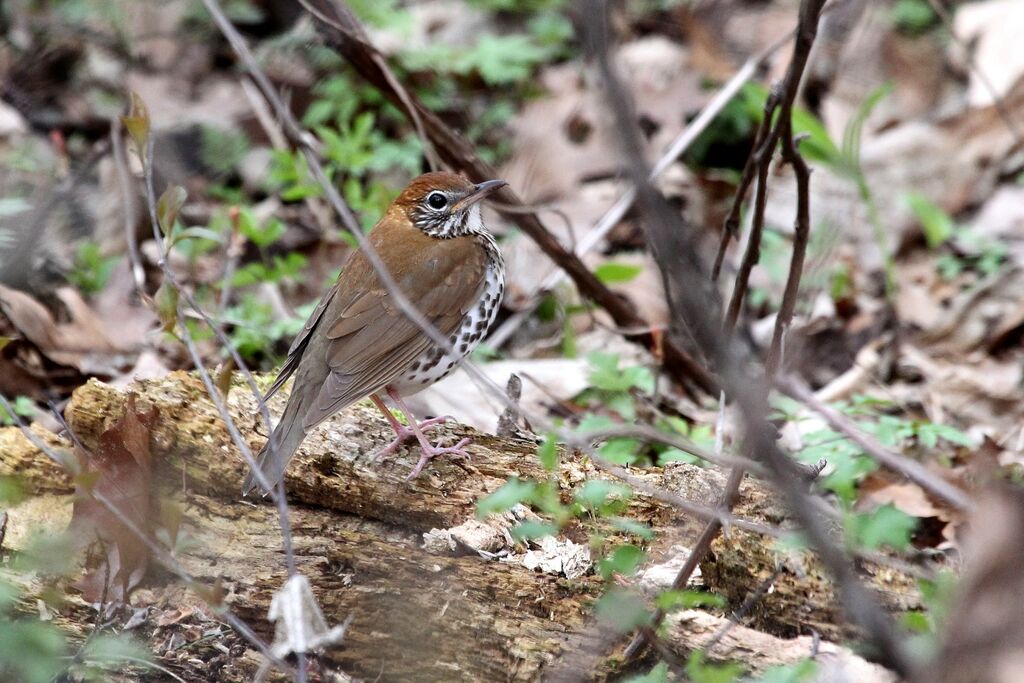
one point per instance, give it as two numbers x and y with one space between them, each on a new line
429 453
404 433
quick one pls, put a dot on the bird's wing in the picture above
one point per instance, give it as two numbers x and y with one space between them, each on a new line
300 342
370 341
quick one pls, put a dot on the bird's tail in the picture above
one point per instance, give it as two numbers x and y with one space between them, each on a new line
275 455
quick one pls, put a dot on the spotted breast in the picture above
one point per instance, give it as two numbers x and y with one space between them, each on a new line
435 364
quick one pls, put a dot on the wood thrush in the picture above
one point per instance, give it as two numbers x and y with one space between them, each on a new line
358 343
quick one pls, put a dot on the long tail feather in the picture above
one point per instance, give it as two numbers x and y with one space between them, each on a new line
275 455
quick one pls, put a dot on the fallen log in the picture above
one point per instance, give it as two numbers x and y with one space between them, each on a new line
419 611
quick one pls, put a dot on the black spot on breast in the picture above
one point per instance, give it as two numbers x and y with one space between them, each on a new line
463 346
453 338
415 366
480 325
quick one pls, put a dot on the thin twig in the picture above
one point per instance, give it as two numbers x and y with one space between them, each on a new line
612 217
802 232
160 554
717 515
124 180
911 469
760 163
673 247
280 498
741 611
341 34
652 435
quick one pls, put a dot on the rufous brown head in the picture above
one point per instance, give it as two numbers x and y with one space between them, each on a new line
445 205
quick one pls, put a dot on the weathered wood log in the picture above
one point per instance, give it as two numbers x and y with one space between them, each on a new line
417 614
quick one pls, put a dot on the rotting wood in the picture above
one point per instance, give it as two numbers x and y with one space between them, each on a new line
358 534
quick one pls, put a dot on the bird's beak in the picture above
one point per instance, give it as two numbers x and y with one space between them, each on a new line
479 192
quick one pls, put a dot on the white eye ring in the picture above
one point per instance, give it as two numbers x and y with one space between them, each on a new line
437 200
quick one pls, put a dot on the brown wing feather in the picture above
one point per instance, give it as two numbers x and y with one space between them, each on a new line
300 342
372 342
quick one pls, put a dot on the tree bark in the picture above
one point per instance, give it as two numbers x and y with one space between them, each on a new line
418 612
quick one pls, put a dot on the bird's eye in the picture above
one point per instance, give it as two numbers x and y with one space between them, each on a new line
436 200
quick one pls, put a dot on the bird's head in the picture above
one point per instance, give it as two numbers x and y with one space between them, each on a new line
445 205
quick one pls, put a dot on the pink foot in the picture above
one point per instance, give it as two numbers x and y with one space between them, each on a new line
415 429
428 452
404 433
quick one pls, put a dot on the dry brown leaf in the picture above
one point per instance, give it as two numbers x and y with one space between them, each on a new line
905 497
957 162
993 29
119 470
984 641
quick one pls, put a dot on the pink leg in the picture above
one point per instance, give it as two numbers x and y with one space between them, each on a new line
428 451
402 433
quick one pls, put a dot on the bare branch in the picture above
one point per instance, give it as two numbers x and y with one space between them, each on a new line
614 215
672 245
911 469
343 34
162 556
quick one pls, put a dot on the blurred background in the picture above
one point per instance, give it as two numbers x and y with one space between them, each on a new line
910 314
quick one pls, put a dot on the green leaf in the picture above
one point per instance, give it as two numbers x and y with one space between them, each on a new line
804 670
672 600
92 269
624 561
936 224
611 272
137 124
884 526
166 303
818 144
913 17
950 434
700 672
547 453
114 649
261 234
606 375
591 423
11 492
32 650
675 455
510 494
23 406
595 493
620 451
621 610
631 526
531 529
501 59
168 207
658 674
917 621
222 149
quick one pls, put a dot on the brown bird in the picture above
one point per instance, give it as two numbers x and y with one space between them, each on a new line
358 343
